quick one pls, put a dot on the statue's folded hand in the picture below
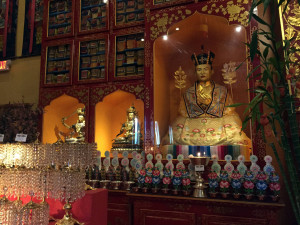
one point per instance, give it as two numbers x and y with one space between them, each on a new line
204 98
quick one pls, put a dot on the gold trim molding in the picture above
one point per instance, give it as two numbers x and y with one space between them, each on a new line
234 11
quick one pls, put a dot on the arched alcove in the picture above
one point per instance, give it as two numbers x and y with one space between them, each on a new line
110 114
185 38
60 107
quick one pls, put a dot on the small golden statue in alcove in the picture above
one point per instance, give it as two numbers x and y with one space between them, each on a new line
77 133
129 137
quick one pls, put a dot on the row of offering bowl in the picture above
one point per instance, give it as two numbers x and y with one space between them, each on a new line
114 185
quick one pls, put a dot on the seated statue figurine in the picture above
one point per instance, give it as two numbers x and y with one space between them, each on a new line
129 134
203 117
77 133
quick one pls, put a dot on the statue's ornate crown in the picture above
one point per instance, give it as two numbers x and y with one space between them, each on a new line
205 57
131 109
81 111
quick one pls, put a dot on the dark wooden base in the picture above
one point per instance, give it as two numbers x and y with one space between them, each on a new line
119 210
149 209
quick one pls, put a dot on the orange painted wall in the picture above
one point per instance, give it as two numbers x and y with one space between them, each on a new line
111 114
60 107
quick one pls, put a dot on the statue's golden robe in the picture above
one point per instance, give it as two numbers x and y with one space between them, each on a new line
213 124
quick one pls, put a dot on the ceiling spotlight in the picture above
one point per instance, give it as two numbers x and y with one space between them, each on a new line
238 29
142 39
165 37
177 28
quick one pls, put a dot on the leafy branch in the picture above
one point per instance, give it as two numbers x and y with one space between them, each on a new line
273 79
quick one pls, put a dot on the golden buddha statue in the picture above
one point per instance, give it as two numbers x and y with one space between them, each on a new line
130 134
203 117
77 133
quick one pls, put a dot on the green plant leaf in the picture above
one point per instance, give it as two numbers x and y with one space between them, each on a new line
274 62
259 53
267 45
276 92
253 5
260 20
253 116
266 5
247 44
253 45
241 62
265 76
278 45
287 44
269 37
245 122
237 104
263 32
256 100
269 105
266 52
252 71
257 75
268 100
260 89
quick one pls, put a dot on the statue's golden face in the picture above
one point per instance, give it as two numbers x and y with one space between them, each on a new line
204 72
130 116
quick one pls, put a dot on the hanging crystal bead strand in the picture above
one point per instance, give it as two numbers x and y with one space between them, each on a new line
8 212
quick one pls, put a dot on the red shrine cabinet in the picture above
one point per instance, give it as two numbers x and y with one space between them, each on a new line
107 55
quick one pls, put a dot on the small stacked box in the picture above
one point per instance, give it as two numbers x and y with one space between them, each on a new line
130 55
92 59
60 17
128 11
58 64
93 14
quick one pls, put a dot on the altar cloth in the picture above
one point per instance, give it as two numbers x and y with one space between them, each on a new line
90 210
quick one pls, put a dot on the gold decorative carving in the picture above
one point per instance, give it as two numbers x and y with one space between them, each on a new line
234 10
259 144
148 136
147 53
47 95
292 14
180 79
160 22
100 92
147 98
291 28
147 14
